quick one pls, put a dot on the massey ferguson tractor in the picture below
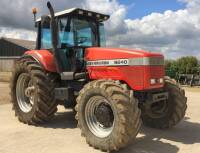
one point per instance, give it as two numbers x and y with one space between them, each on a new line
112 90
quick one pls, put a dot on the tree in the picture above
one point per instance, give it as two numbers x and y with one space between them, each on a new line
187 65
184 65
171 68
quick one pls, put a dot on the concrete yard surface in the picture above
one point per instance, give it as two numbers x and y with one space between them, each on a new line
5 76
62 136
4 93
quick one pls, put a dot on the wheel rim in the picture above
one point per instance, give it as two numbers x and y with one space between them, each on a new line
25 93
99 116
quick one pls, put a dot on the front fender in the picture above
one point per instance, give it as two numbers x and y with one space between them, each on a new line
45 58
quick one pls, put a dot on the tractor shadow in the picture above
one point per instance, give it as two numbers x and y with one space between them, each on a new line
152 140
62 120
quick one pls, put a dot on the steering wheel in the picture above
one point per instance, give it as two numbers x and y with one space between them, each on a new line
82 40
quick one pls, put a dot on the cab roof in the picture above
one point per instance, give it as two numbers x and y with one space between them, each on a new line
81 12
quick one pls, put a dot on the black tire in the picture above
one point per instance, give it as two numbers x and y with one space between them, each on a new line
45 105
125 110
176 107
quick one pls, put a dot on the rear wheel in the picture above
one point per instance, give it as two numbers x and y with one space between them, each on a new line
167 113
108 115
32 92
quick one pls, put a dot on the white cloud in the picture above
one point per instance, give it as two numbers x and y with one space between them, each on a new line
17 33
116 24
174 33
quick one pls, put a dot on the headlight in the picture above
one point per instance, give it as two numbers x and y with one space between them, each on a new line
161 80
153 81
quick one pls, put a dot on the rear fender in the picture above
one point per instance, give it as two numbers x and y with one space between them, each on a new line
44 57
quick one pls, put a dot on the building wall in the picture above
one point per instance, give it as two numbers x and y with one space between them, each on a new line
7 63
10 49
9 52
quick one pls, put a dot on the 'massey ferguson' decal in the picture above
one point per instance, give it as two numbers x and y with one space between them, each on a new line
155 61
115 62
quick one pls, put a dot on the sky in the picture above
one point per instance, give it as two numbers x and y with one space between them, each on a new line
141 8
171 27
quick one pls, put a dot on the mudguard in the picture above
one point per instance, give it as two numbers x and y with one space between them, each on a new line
45 58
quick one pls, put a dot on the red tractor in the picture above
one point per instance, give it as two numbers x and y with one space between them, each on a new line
112 90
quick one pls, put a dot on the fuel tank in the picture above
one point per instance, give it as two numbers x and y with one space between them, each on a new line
141 70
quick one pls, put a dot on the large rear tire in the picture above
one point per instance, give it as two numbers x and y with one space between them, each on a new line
174 110
32 92
108 115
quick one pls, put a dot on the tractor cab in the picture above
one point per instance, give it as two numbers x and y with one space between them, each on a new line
76 29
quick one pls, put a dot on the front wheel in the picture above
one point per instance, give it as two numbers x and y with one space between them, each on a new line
108 115
32 92
168 113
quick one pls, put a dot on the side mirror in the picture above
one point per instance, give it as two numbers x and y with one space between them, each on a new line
45 21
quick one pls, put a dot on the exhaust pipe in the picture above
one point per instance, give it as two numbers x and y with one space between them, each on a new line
54 33
53 25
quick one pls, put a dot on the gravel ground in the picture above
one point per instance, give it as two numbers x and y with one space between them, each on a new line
61 135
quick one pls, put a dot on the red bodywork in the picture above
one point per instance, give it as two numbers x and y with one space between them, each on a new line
137 77
45 57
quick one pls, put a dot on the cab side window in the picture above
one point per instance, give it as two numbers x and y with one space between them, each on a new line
46 42
102 35
66 35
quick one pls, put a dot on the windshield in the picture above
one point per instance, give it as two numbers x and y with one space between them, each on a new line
72 32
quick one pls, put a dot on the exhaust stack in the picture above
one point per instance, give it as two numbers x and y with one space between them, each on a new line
54 37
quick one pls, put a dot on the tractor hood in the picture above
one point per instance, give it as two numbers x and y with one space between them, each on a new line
134 67
116 53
